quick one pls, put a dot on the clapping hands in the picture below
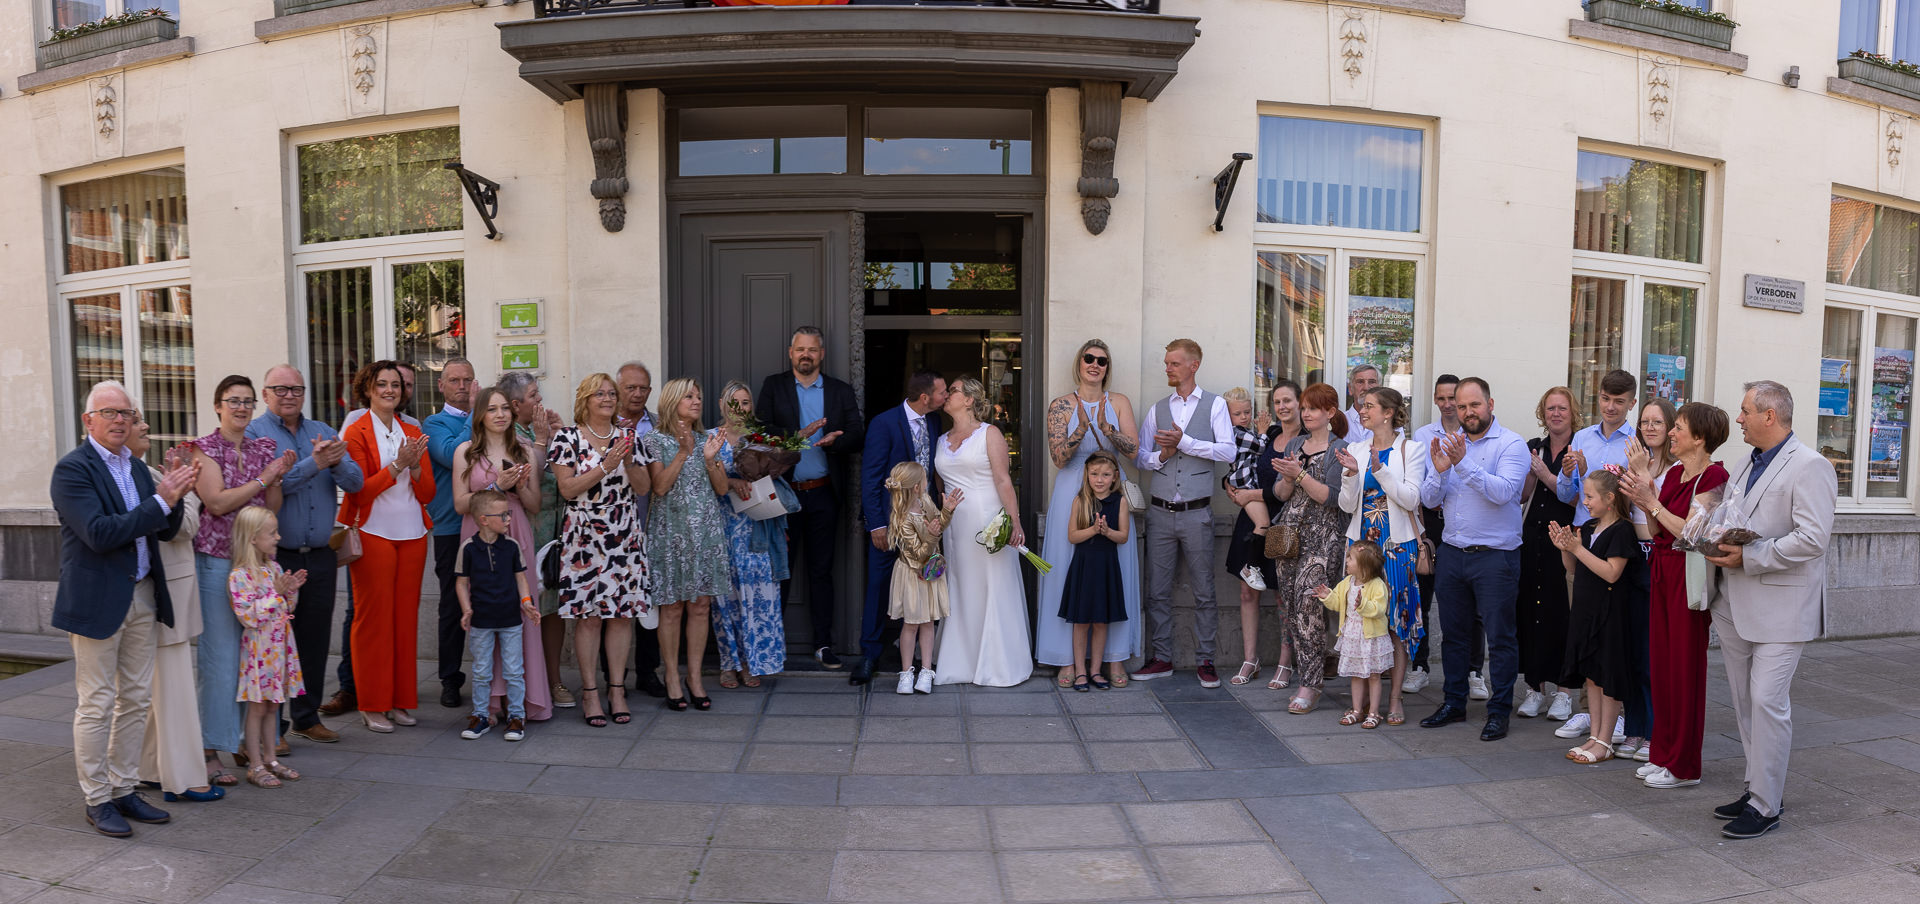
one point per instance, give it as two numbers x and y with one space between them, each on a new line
410 452
1447 450
289 584
328 452
278 468
1348 463
511 475
1564 538
175 483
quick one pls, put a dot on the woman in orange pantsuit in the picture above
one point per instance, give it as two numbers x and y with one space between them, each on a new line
391 512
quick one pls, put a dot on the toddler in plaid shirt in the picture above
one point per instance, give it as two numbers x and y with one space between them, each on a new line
1244 476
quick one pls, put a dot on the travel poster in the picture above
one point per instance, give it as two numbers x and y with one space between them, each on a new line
1884 452
1836 387
1667 377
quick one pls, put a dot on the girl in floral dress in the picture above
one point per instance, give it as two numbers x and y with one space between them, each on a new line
269 667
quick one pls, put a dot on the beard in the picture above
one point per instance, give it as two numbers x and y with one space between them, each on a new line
805 367
1473 424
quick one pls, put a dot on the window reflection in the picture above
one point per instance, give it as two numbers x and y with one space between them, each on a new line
1289 319
1319 173
949 141
767 140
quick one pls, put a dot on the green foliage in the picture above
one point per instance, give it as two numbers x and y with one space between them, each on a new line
1887 62
127 18
379 185
1688 11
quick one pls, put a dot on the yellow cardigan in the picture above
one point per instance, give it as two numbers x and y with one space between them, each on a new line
1373 606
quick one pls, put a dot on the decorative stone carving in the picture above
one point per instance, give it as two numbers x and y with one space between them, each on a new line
360 48
1659 90
1893 138
1896 136
1099 136
106 100
607 137
1353 52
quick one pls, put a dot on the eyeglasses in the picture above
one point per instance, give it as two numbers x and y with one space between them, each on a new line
1091 358
604 394
237 402
288 391
117 414
504 516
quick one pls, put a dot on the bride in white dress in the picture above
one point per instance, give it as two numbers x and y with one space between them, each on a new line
984 637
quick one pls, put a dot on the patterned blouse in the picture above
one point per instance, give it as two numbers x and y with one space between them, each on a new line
237 466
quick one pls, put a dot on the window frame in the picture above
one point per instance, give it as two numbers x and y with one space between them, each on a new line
1870 304
1340 244
380 253
127 281
1638 271
1889 18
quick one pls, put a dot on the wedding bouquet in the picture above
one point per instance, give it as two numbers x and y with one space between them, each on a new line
998 532
764 451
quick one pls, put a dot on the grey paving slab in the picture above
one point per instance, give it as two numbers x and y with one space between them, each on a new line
1466 850
771 876
617 870
1792 856
17 756
511 813
1890 838
72 896
1229 736
242 893
37 731
468 859
816 759
1894 751
687 756
446 773
1143 756
988 790
51 855
395 890
14 888
228 827
935 704
1225 869
1028 759
1355 747
1132 699
1343 856
813 705
917 828
1144 727
1549 885
1326 779
1537 797
1596 836
1023 729
695 726
1075 875
1192 822
1013 704
808 729
909 729
638 784
28 800
1420 808
773 827
342 852
937 877
649 821
1182 687
1066 826
1881 886
544 749
911 759
1675 877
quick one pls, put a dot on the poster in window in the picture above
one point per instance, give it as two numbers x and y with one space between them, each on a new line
1667 377
1380 333
1836 387
1892 387
1893 365
1883 453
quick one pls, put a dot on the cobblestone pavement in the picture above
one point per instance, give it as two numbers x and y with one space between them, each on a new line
807 790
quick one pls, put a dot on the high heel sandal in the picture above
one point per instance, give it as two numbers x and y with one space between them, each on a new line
727 680
621 716
1249 670
593 721
702 703
1280 678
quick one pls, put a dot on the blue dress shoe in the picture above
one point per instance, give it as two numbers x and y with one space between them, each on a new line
136 808
213 793
106 819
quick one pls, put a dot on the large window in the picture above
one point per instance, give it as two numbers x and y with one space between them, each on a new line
887 137
1865 403
1637 281
68 13
1342 251
380 263
1886 27
127 298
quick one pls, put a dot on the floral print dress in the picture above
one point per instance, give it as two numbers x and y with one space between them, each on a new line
688 542
603 566
748 624
269 666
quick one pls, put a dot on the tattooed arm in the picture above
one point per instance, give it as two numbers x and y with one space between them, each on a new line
1061 444
1122 437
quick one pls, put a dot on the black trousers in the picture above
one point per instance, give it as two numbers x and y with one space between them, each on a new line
1434 523
813 530
312 623
453 639
345 671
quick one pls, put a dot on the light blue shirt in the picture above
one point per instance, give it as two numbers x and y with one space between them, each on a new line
1481 494
308 497
813 406
121 467
1600 451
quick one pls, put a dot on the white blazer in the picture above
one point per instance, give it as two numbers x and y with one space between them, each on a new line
1399 478
1777 595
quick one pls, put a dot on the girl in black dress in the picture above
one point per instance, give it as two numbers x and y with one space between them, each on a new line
1093 597
1598 650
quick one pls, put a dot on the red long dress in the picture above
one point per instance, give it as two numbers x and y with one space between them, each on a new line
1677 636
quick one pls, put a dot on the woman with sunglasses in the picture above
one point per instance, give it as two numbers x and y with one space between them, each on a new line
235 472
1072 436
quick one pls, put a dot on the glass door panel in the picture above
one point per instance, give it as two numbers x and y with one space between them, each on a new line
99 344
1892 430
1666 342
429 325
991 356
166 366
1289 319
1380 318
339 338
1839 391
1593 348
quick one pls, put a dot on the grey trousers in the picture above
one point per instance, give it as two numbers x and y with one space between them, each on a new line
1173 537
1760 675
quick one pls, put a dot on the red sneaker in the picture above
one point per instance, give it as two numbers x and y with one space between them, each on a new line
1155 668
1208 677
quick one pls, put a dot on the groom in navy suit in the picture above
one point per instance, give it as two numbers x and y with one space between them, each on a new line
903 433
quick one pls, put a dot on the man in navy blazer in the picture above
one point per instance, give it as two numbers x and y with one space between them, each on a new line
902 433
112 590
804 400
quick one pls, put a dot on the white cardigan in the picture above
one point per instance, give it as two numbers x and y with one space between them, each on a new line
1399 478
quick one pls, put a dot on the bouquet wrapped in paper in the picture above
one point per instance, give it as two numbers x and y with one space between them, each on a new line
998 532
764 452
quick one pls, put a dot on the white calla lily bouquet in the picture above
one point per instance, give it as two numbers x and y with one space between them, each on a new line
998 532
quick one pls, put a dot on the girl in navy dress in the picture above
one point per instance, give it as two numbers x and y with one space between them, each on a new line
1093 597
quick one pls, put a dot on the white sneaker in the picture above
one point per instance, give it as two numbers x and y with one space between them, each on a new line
1575 727
924 683
1619 730
906 682
1415 681
1477 687
1562 707
1665 779
1648 769
1253 578
1530 707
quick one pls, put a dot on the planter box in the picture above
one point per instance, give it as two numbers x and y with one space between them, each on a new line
1679 26
1869 73
106 40
292 7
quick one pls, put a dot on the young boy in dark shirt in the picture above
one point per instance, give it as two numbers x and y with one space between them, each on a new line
489 576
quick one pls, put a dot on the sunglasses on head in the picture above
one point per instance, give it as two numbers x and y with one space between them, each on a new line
1092 358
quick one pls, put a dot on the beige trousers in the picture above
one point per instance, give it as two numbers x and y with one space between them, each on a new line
113 679
172 754
1760 675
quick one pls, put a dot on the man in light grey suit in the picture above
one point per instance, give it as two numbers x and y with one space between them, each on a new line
1766 595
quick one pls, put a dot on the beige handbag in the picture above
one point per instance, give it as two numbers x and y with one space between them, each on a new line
345 542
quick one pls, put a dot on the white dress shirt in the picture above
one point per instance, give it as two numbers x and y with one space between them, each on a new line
1183 407
395 514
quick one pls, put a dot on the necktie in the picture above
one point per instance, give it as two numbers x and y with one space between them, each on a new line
920 442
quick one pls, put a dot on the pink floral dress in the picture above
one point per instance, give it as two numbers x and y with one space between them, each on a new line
269 667
238 465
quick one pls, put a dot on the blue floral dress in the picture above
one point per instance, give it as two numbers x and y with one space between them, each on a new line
686 531
748 625
1403 585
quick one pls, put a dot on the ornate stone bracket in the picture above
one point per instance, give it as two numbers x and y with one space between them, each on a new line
1099 134
607 136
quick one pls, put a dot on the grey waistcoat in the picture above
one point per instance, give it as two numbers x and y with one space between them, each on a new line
1185 476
